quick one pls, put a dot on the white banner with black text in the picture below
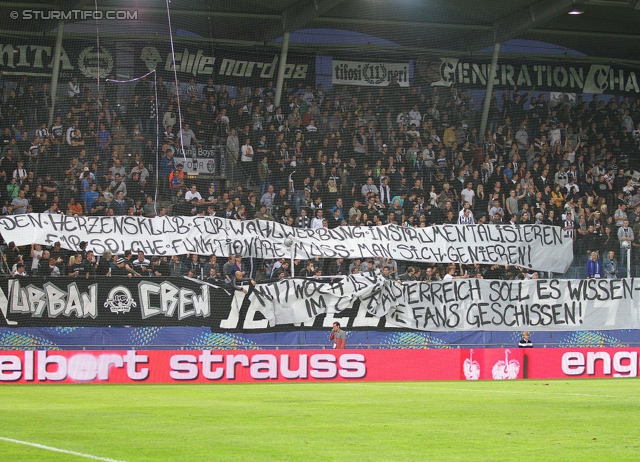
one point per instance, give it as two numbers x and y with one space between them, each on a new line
537 247
456 305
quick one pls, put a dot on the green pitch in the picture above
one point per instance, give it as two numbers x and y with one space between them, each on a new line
524 420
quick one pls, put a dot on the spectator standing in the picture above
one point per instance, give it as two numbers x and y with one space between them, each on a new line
610 265
338 337
594 267
247 159
625 236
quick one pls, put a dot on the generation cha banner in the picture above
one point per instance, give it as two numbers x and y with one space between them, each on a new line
557 76
539 247
369 73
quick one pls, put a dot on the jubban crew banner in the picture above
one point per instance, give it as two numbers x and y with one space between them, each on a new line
538 247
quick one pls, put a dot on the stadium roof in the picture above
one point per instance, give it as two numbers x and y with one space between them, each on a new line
607 28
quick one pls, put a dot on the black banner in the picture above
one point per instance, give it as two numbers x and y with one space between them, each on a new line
546 75
82 59
77 59
146 302
194 60
116 301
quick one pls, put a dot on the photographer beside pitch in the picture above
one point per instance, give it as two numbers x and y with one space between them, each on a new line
338 336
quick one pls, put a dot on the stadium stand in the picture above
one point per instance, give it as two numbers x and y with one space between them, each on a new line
394 155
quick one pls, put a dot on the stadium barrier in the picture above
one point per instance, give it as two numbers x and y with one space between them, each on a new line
206 366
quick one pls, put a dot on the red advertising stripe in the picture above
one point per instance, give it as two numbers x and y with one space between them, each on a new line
184 366
562 363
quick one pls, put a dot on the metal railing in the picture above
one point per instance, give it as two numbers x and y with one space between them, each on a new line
310 346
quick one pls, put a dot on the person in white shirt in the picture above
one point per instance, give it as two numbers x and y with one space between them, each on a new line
169 117
188 136
74 88
267 198
555 136
451 274
43 132
369 188
318 219
192 194
627 121
141 170
414 116
192 89
402 119
429 155
246 159
468 194
626 238
247 151
465 216
308 95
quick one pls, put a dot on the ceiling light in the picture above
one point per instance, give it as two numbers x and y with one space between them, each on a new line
575 11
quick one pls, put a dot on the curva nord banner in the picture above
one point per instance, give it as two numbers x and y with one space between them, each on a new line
208 235
242 68
83 59
358 302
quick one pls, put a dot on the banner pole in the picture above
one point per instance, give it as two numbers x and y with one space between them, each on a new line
56 70
281 68
489 94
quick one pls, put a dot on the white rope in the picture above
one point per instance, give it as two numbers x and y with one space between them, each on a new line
133 79
175 82
95 2
155 87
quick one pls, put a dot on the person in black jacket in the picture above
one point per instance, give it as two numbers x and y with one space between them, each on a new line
120 269
104 265
89 263
43 264
308 270
77 269
159 267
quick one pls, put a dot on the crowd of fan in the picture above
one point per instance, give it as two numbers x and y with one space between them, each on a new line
350 156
